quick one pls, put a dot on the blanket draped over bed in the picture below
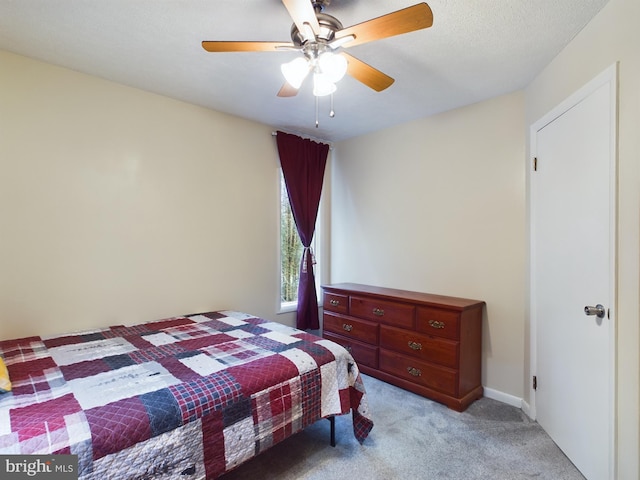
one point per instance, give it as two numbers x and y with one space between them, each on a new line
188 397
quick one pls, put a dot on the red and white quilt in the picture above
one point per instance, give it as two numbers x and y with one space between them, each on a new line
191 396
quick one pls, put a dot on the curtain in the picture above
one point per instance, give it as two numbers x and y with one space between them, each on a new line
303 162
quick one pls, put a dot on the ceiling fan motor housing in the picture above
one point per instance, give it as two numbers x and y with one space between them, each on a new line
329 25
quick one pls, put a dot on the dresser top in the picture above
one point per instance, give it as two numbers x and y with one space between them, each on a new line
395 294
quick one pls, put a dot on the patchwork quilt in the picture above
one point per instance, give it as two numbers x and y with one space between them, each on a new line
187 397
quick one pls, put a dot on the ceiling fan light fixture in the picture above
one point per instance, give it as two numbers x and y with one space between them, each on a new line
333 65
322 85
295 71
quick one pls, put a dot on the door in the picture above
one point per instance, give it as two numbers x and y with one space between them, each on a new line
572 255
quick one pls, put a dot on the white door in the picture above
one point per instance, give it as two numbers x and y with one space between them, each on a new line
573 225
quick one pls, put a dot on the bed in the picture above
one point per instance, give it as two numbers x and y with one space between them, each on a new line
186 397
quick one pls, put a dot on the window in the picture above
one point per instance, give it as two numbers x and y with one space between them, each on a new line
291 253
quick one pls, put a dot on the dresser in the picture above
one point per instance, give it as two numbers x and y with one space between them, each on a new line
428 344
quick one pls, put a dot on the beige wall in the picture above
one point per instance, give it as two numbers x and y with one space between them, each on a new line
613 36
438 205
120 206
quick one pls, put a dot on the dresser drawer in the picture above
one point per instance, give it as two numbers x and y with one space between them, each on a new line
422 373
392 313
350 327
425 347
436 321
362 353
335 303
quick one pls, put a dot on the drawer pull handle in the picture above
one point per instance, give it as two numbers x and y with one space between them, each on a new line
378 311
347 327
415 345
335 303
436 324
414 371
349 348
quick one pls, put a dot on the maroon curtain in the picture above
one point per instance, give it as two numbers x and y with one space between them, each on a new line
303 163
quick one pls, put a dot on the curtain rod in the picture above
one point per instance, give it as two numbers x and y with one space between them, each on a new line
273 134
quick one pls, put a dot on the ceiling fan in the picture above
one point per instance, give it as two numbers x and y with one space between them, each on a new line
321 37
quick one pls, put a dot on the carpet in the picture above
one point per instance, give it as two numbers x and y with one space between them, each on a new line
416 438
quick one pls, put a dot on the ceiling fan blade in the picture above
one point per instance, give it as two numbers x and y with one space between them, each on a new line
288 90
215 46
406 20
365 73
303 14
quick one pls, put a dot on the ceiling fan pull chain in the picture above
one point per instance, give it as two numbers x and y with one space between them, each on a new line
332 113
317 122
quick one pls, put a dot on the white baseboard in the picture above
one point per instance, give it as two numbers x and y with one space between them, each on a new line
504 397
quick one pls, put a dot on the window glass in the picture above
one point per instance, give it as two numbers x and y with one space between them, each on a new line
290 251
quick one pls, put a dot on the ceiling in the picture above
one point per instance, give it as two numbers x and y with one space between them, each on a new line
475 50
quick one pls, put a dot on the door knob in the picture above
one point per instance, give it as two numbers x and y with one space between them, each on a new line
598 311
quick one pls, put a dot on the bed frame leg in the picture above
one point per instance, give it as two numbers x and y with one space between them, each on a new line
332 420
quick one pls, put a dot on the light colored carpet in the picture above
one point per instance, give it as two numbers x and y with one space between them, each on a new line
415 438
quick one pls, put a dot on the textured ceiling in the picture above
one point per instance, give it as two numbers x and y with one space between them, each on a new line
475 50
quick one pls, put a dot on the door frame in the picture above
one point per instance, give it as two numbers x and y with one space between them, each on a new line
610 77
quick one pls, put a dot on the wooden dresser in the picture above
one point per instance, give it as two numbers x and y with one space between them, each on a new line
428 344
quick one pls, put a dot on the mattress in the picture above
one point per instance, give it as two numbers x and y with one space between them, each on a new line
187 397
